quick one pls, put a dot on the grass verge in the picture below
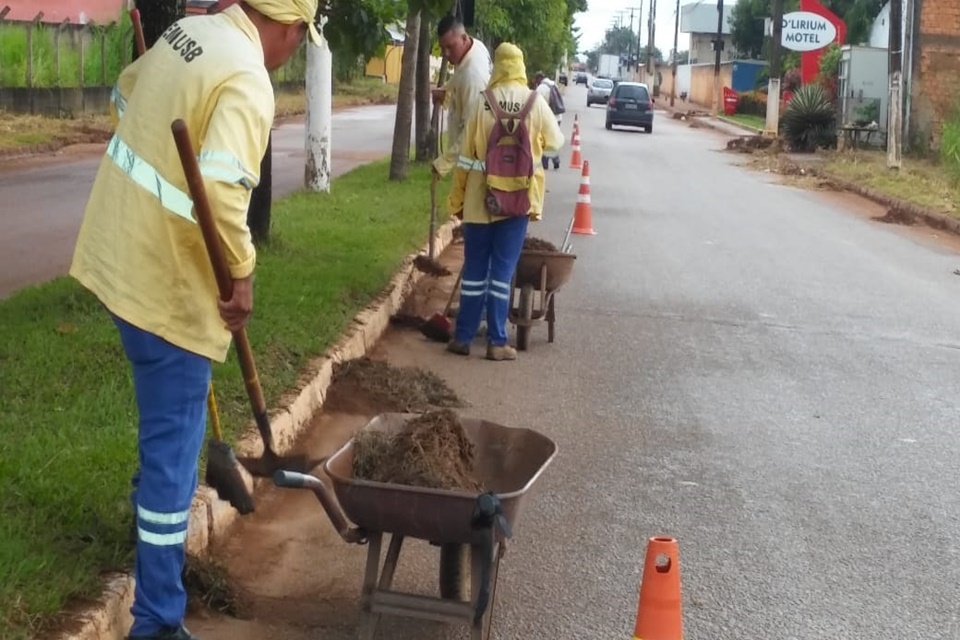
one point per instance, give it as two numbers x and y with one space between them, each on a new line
27 133
747 120
922 182
68 419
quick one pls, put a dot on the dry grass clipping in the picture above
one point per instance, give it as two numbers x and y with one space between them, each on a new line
536 244
384 388
431 451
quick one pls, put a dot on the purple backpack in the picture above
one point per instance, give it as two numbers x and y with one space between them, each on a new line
509 161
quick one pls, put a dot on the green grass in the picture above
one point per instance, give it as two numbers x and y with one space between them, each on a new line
68 419
922 182
749 120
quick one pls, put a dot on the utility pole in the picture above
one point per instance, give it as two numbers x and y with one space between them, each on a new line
639 11
652 23
894 102
776 71
319 115
907 64
718 45
676 44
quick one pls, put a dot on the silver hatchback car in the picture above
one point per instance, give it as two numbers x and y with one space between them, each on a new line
599 90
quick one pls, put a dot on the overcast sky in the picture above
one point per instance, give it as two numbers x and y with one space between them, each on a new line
600 15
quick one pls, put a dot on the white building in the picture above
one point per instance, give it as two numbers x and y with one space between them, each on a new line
699 19
880 31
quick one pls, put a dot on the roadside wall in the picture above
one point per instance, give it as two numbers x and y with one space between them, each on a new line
935 82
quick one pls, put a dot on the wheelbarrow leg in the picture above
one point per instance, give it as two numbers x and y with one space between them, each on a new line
369 619
551 318
481 629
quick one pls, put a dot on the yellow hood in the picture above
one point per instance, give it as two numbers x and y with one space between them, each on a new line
290 11
508 67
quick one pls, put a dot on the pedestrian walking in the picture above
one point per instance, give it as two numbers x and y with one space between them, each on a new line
551 93
141 252
497 188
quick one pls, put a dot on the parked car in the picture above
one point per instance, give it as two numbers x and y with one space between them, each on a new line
599 91
581 78
630 104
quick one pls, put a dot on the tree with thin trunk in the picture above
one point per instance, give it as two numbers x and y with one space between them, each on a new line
400 158
424 51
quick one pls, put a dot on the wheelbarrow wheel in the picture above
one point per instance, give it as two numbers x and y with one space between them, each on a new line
455 572
526 317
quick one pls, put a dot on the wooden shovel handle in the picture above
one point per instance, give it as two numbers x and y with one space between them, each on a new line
221 271
138 31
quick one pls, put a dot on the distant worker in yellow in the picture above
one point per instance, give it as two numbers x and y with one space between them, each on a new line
141 252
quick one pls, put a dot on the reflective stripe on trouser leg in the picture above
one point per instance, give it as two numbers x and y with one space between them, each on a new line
473 288
171 386
507 243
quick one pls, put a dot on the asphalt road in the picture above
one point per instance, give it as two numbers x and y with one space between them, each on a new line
760 371
43 199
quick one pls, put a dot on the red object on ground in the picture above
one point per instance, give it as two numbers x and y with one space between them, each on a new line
730 101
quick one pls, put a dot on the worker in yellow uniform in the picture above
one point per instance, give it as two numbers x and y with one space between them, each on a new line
472 64
492 243
141 252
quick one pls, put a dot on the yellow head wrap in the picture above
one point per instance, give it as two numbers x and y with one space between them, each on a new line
508 67
289 12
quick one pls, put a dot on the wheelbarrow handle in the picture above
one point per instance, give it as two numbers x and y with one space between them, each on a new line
292 480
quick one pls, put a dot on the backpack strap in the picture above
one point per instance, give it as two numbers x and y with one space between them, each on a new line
528 106
500 114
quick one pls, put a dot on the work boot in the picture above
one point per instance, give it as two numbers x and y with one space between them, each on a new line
170 633
458 348
500 353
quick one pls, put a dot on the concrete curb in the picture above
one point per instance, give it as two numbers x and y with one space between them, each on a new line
211 518
909 210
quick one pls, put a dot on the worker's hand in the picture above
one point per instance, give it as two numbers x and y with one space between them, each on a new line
438 95
236 311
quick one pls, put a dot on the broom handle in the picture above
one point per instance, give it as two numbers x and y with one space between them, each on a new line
221 271
432 243
453 292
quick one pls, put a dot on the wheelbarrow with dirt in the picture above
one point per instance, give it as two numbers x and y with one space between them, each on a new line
470 529
538 277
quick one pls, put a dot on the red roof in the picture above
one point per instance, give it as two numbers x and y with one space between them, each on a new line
78 11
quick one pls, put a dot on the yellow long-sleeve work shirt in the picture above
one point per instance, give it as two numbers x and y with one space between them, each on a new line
469 182
463 92
140 249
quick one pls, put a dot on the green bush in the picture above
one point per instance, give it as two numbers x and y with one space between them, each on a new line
752 103
809 122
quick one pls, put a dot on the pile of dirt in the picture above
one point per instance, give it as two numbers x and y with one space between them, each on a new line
432 451
751 144
367 386
536 244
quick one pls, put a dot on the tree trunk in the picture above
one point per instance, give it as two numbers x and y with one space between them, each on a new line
424 49
157 16
258 212
400 158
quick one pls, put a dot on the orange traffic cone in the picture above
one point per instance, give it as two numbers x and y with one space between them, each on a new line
576 160
583 214
576 123
659 614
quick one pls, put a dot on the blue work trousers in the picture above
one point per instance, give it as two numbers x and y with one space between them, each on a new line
171 389
490 254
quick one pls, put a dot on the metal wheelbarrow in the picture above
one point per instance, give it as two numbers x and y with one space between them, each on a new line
467 527
543 273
